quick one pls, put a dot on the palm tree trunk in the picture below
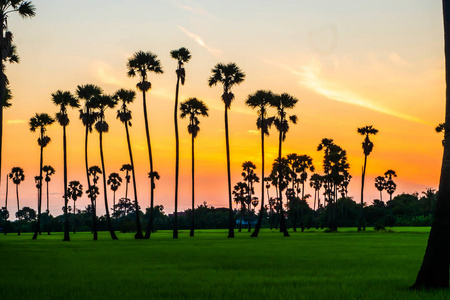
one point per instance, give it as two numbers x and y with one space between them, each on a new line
361 211
150 157
136 203
93 202
47 197
6 198
108 219
177 159
230 205
66 200
18 206
282 220
193 185
2 88
38 224
126 185
381 196
259 223
48 213
74 218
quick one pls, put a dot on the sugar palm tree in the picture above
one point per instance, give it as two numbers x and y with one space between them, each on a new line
124 115
240 195
301 165
250 177
261 100
390 185
49 171
103 102
114 181
367 146
228 75
17 176
93 191
315 181
40 122
88 117
140 64
127 168
8 49
192 108
74 191
182 56
281 103
380 184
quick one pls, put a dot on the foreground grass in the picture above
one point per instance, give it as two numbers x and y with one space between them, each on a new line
310 265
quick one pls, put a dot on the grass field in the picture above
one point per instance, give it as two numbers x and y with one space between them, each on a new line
309 265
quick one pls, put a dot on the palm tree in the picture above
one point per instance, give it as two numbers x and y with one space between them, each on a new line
261 100
193 108
281 122
74 191
114 181
390 185
88 116
103 102
93 191
380 184
182 56
6 194
315 181
441 128
367 146
228 75
140 64
40 121
124 115
153 176
239 191
250 177
127 168
64 100
301 165
8 50
49 171
17 176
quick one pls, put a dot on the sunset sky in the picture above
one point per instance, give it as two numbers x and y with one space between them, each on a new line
350 63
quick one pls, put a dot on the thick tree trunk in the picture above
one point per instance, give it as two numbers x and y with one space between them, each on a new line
230 205
150 157
283 227
38 224
139 234
361 210
66 200
177 159
93 202
193 193
260 216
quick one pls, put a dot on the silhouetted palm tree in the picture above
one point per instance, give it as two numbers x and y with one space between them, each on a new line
103 102
49 171
193 108
17 176
301 165
380 184
8 49
40 121
240 192
228 75
281 122
124 115
140 64
441 128
261 100
74 191
390 185
250 177
367 146
88 116
64 100
114 181
127 168
316 183
182 56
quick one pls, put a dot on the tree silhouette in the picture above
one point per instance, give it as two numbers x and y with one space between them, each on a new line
8 49
114 181
89 116
93 191
315 182
17 176
6 199
380 184
441 128
103 102
74 191
127 168
40 121
124 115
140 64
367 146
49 171
390 185
182 56
250 177
192 108
281 103
228 75
261 100
240 192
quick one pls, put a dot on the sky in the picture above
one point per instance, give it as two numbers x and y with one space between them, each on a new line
350 63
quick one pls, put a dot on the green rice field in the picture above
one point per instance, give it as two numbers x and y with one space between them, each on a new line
309 265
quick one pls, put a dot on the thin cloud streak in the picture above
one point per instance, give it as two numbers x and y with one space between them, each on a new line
15 121
214 51
198 10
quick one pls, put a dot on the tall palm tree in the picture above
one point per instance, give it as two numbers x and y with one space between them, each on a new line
114 181
301 165
141 63
239 191
261 100
7 52
182 56
228 75
49 171
250 177
281 103
74 191
367 146
124 115
40 121
193 108
390 185
17 176
103 102
88 116
6 194
93 191
127 168
315 181
380 184
64 100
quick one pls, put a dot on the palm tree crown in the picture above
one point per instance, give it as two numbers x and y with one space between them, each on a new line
17 175
64 99
49 170
141 63
367 145
229 75
260 100
282 118
182 55
114 181
193 108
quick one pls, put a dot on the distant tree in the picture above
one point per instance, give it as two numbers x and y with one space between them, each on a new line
49 171
74 191
390 185
40 121
27 214
193 108
93 192
367 146
17 176
315 182
441 128
250 177
114 181
240 192
380 184
140 64
4 215
127 168
6 197
228 75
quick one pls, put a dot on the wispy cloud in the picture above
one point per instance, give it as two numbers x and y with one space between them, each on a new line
192 7
214 51
15 121
104 72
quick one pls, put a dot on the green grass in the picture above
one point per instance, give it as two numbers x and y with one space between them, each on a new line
310 265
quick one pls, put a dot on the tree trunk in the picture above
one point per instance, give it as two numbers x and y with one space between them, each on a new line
66 200
93 202
139 234
361 211
282 220
38 224
18 206
2 87
177 159
230 204
193 194
150 157
74 218
259 223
